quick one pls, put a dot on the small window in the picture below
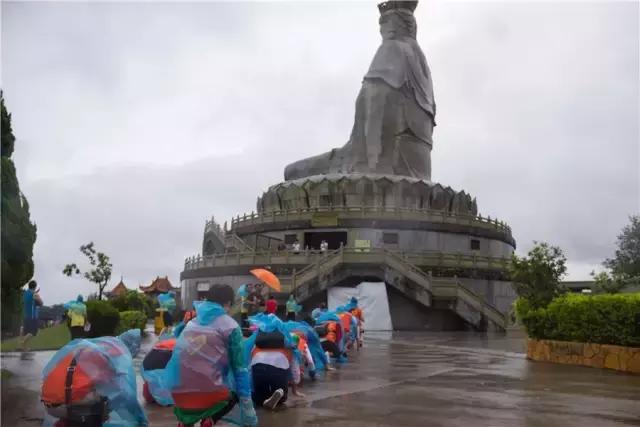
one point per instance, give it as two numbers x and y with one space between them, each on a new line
289 239
390 238
475 245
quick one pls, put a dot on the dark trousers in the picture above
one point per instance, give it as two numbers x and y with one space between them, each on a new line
331 347
76 332
291 315
266 380
244 320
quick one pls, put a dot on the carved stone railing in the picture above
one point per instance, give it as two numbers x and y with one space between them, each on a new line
452 288
307 257
467 304
211 226
372 212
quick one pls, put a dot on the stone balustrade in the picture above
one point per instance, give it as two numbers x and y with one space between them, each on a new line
373 212
352 255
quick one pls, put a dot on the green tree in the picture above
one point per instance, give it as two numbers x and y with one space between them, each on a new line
626 260
100 271
623 270
537 276
18 232
613 283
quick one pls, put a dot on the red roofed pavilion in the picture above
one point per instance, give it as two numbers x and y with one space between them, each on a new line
160 285
119 289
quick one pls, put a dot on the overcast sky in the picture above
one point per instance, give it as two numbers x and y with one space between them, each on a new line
137 121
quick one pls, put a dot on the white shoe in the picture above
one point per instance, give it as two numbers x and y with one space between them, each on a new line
273 401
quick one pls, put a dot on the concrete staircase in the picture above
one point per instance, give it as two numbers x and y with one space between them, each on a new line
403 276
234 242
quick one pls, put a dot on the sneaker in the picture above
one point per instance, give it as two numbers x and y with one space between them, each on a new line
273 401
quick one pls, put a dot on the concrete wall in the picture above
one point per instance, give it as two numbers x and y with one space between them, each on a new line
500 294
408 315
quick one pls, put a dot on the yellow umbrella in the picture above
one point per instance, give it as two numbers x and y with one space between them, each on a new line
267 277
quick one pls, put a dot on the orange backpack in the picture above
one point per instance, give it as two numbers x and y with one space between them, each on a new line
70 382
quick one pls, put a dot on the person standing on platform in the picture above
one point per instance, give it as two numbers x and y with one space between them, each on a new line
324 246
31 300
292 307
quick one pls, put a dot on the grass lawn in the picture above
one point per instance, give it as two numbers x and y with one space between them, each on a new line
4 374
47 339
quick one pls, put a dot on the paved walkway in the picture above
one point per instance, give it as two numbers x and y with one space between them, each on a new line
418 379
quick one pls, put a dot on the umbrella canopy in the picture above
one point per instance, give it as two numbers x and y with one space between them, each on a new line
267 277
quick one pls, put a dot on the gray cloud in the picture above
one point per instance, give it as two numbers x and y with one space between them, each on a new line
136 121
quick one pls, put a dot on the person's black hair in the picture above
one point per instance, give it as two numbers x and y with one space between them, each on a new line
33 284
222 294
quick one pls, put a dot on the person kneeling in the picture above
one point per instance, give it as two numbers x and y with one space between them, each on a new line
272 366
91 382
206 352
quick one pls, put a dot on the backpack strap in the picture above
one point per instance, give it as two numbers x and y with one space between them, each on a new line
68 383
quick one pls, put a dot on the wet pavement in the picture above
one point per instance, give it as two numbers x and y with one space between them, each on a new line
414 379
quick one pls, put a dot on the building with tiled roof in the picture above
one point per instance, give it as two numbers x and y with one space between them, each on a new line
119 289
160 285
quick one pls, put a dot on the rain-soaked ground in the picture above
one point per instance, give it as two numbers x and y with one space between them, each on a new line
414 379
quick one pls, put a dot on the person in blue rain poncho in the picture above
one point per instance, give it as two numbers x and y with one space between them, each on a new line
76 312
165 311
207 373
332 336
274 359
313 346
92 382
153 370
349 325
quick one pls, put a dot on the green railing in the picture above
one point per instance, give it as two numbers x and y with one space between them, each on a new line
373 212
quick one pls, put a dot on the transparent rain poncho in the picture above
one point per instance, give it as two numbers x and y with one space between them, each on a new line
313 341
76 307
104 368
208 359
332 316
268 323
76 311
353 321
167 301
156 379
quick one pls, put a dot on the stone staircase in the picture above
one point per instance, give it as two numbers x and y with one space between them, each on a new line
224 240
234 242
403 276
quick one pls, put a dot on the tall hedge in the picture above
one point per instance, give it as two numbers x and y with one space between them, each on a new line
601 319
104 318
18 232
132 319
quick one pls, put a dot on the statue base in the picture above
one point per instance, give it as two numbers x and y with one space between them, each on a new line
356 190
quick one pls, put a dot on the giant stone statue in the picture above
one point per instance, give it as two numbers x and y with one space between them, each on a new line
395 109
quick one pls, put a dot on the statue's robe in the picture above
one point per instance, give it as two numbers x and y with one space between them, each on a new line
394 120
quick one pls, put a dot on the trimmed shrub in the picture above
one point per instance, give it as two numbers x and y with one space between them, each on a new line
103 317
134 301
601 319
132 320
